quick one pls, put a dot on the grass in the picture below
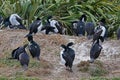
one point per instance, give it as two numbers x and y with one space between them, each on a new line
101 78
115 78
56 39
35 68
11 69
18 78
83 66
39 68
40 64
4 62
36 78
94 69
37 72
97 69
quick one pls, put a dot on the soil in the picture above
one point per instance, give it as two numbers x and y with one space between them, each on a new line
50 49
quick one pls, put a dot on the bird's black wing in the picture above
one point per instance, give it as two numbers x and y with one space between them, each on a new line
33 27
95 51
19 20
34 50
98 51
71 54
13 54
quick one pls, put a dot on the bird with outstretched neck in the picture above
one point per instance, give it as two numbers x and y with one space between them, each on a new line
33 47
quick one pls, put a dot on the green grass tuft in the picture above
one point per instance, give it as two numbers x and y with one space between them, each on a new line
94 69
98 71
115 78
18 78
9 63
100 78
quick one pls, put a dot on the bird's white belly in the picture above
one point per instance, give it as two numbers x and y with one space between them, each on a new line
40 27
62 59
13 21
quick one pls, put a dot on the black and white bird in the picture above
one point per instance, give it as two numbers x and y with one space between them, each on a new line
21 55
118 34
67 56
33 47
89 28
16 21
55 24
74 27
79 26
103 21
24 58
95 51
100 32
35 27
48 30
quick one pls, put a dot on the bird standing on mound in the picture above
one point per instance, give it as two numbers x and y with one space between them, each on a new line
100 32
35 27
89 28
79 26
95 51
33 47
67 56
55 24
24 58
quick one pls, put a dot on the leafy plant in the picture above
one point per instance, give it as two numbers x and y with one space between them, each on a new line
64 11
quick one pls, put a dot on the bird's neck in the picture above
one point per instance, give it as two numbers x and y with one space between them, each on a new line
31 41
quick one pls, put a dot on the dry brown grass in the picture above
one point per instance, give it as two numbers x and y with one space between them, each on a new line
48 68
94 69
39 68
83 66
45 64
38 72
55 39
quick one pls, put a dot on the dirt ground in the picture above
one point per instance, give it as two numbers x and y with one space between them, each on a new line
50 66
